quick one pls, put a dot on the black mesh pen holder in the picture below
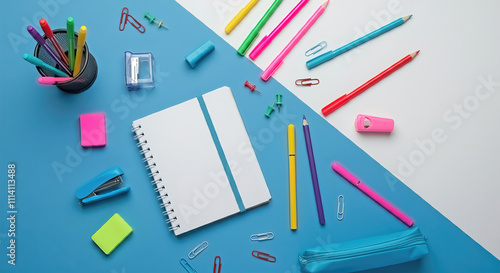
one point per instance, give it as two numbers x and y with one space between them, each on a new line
88 68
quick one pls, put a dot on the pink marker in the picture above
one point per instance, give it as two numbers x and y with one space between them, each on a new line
278 61
269 38
52 80
373 195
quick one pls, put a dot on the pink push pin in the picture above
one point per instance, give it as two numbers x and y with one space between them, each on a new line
366 123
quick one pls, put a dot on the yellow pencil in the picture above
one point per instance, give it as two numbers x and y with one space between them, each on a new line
237 19
292 177
79 49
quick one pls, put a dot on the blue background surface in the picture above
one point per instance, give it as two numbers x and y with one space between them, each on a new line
40 129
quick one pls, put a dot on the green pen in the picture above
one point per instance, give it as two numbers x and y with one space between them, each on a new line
70 24
255 31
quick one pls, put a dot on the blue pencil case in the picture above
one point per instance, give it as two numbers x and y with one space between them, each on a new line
365 253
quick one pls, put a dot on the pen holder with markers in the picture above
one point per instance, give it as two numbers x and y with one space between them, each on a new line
88 68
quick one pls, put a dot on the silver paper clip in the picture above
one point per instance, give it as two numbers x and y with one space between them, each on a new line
197 250
262 236
187 266
340 209
315 49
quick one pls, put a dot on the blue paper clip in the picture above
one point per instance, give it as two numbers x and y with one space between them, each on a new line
315 49
187 266
340 209
262 236
91 191
197 250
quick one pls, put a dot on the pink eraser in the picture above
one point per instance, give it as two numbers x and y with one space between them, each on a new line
93 130
366 123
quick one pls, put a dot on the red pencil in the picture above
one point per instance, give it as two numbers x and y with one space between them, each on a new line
336 104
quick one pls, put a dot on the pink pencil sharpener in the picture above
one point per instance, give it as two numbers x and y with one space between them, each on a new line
366 123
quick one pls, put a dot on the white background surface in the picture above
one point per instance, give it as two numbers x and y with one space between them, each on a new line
449 93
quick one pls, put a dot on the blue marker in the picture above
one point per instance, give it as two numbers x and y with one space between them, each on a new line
34 60
332 54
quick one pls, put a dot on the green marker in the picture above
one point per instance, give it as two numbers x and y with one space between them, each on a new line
255 31
70 24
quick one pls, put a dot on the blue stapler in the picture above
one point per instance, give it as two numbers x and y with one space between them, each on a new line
101 186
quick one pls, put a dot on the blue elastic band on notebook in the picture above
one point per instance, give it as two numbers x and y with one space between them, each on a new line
222 156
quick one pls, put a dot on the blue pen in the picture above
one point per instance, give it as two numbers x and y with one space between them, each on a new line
334 53
34 60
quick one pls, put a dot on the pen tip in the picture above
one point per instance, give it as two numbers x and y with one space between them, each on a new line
406 18
414 54
303 116
326 4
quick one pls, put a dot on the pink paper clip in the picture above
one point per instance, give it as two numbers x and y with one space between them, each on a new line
263 256
366 123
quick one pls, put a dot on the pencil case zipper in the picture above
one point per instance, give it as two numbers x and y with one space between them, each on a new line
403 242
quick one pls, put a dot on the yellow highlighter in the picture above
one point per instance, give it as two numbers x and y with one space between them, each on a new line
292 177
237 19
79 49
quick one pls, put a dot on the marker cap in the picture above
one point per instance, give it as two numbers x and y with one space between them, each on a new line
46 28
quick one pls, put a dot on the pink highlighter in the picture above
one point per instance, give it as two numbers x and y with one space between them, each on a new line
373 195
52 80
278 61
269 38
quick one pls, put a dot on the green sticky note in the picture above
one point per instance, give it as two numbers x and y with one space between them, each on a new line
112 233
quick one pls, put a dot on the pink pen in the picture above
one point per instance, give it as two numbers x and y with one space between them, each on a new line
278 61
373 195
52 80
269 38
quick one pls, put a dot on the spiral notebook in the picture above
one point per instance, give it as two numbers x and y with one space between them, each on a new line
202 161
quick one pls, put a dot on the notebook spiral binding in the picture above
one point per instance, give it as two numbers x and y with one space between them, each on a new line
154 174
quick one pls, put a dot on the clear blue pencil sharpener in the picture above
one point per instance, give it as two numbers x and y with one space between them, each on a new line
139 69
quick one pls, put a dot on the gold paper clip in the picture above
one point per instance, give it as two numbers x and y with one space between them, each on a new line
197 250
340 209
262 236
306 82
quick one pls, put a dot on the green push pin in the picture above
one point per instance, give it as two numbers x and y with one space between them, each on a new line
279 100
270 109
152 20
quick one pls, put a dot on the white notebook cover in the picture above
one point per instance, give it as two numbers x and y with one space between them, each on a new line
194 187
